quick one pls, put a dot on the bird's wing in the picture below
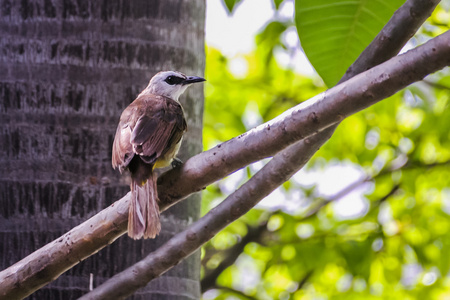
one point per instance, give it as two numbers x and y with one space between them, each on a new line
159 129
122 152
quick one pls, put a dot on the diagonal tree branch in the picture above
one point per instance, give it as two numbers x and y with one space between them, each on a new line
177 184
255 189
188 241
50 261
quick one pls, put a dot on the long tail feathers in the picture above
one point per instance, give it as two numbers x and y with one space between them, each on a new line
143 215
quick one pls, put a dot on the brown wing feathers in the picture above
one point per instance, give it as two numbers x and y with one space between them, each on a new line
148 128
159 129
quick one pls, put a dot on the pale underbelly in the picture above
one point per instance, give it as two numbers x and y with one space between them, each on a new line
165 160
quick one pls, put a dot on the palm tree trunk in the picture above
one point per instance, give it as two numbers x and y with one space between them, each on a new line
67 70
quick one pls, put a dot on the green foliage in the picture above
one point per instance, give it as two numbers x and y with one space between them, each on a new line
230 5
334 33
397 248
277 3
235 105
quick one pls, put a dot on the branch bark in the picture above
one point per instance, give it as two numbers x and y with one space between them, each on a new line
50 261
187 242
175 185
364 88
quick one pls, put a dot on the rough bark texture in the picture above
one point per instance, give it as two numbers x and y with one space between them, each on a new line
68 69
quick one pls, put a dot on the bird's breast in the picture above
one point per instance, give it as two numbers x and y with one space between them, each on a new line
166 159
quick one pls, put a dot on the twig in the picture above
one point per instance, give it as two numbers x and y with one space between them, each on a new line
230 290
254 233
315 207
374 205
437 85
305 279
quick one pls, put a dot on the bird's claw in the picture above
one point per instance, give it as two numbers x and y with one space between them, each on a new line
176 162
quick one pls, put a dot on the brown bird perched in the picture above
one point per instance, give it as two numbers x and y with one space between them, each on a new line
149 136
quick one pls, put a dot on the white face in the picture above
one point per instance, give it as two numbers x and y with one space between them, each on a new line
169 84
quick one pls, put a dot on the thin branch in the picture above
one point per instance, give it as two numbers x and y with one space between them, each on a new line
404 166
38 269
323 235
254 233
301 284
305 279
230 290
393 190
436 85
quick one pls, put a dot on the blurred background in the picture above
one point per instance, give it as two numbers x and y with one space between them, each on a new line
369 215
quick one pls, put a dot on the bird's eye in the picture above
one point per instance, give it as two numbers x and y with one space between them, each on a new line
170 80
173 80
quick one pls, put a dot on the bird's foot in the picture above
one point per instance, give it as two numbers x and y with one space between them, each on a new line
176 162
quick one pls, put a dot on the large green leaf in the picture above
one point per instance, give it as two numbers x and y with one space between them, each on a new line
334 32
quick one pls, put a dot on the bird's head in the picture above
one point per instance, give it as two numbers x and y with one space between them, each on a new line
170 84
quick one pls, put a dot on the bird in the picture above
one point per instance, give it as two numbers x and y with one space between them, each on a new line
148 136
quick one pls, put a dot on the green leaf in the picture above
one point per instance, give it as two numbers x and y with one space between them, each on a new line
230 4
334 33
277 3
269 39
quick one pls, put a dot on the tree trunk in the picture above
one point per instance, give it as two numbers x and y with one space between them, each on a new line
67 70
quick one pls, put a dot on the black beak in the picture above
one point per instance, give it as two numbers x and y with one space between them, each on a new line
193 79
